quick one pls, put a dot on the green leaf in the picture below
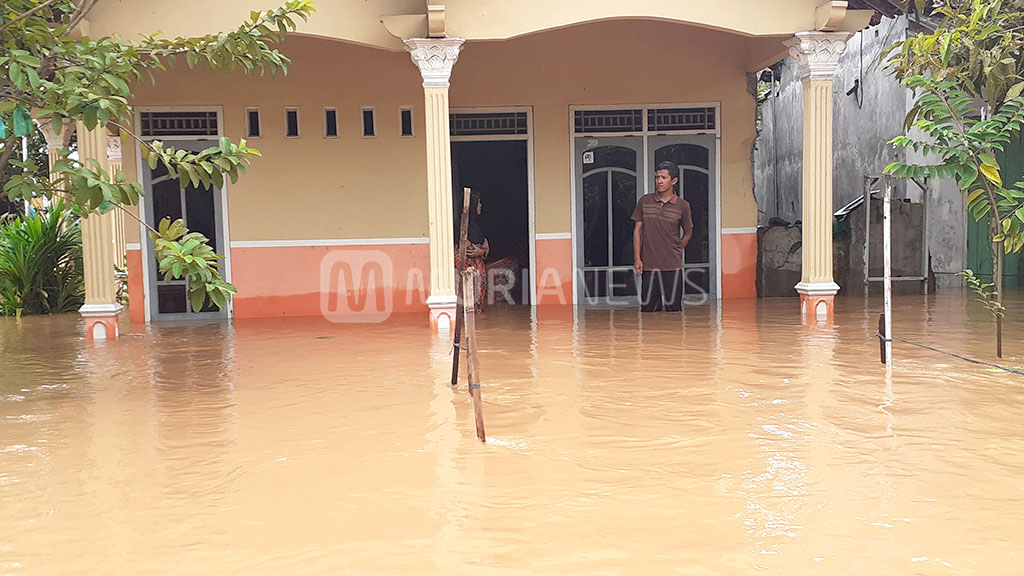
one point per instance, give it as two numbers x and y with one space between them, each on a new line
1015 91
196 298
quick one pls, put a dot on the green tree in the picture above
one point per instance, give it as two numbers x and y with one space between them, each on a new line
969 75
37 153
49 72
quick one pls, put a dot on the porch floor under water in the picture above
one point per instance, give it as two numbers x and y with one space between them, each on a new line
725 440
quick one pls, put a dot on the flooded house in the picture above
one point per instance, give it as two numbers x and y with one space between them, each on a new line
556 113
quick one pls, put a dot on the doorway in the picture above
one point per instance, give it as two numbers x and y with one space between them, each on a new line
615 152
202 211
497 171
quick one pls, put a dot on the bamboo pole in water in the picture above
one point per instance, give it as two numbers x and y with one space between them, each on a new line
887 267
472 362
463 245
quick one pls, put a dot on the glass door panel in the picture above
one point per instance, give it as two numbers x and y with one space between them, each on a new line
608 187
695 157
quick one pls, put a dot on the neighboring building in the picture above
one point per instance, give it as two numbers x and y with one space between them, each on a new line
556 112
870 109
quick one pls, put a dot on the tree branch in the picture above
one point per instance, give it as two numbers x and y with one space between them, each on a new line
9 149
80 13
61 193
26 14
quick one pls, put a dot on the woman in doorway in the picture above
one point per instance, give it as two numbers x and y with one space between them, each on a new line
477 250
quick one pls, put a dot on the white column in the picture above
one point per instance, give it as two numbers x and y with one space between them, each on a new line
817 56
101 309
435 58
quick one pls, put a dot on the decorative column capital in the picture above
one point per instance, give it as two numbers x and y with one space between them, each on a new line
113 148
435 57
55 140
817 53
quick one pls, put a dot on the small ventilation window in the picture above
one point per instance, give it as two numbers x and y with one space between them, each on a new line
406 116
291 122
252 119
369 123
330 122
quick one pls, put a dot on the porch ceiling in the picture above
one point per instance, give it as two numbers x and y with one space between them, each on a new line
360 22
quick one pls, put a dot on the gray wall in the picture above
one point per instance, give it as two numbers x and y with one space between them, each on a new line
862 128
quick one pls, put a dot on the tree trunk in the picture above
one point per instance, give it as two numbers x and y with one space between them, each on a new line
997 278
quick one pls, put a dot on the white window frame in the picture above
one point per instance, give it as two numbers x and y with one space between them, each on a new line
298 122
362 123
412 122
259 118
337 123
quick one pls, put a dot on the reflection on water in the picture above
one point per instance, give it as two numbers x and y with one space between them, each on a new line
726 440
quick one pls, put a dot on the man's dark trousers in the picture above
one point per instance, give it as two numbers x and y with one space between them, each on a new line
661 289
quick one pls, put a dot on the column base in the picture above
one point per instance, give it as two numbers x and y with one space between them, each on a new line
101 321
442 313
817 301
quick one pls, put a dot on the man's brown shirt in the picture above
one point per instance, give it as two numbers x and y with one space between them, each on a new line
661 247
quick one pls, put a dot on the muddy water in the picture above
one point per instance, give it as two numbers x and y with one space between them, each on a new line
723 441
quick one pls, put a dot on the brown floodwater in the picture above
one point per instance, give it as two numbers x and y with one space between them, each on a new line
727 440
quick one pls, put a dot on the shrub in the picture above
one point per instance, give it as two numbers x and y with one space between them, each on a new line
41 263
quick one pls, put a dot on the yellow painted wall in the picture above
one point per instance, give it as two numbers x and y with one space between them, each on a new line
621 62
312 188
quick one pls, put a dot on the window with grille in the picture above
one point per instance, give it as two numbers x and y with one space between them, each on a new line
155 124
664 119
488 124
604 121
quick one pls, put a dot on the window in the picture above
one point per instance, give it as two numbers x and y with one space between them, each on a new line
179 123
405 114
489 124
252 119
330 122
597 121
369 123
291 122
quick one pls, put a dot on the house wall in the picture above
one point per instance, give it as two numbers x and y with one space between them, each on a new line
350 189
861 132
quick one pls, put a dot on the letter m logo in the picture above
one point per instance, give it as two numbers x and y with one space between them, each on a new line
356 286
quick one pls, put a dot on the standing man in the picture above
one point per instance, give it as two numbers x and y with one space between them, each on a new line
657 246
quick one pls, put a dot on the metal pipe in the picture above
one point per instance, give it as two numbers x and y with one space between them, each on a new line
867 233
887 268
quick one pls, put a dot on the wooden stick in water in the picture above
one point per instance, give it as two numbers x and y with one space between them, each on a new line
459 312
472 362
